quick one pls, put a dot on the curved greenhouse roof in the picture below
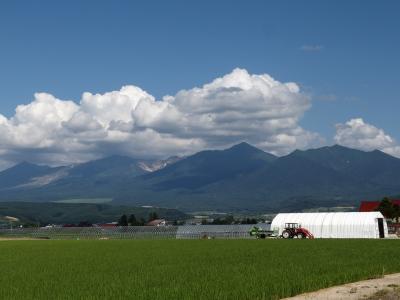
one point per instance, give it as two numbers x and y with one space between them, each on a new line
335 225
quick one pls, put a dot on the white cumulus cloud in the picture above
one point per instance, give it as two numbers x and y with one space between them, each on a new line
236 107
358 134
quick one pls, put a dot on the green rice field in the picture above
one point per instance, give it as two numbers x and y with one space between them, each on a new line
187 269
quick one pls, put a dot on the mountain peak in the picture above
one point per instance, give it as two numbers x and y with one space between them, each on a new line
245 149
341 147
337 146
24 163
243 146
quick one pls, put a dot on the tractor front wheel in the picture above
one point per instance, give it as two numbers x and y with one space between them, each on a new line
286 234
300 236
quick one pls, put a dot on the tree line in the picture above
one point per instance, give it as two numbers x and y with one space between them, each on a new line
389 209
124 220
228 220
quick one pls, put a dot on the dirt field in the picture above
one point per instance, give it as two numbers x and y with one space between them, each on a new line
18 239
386 288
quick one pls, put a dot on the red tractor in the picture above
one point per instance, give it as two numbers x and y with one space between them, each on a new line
294 230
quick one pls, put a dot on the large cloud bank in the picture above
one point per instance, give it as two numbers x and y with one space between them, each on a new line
360 135
236 107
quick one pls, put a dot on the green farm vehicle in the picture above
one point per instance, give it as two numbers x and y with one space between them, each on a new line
260 233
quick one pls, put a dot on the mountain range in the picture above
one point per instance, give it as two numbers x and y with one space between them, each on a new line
241 178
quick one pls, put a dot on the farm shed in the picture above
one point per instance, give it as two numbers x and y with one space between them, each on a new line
336 225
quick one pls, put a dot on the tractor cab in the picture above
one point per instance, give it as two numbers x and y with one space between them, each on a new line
292 225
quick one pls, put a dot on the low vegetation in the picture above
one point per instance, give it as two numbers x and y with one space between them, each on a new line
187 269
36 214
85 200
389 209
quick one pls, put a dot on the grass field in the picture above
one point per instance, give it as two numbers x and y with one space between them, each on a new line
187 269
85 200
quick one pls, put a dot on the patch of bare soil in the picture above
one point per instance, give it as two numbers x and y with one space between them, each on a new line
391 293
386 288
18 239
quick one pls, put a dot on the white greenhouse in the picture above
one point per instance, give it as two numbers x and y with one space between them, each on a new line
371 225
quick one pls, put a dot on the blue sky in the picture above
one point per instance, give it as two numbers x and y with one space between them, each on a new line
343 53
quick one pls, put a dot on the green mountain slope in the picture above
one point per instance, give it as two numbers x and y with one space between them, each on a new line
48 213
239 178
22 173
208 167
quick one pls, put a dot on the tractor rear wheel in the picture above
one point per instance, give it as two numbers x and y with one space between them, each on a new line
286 234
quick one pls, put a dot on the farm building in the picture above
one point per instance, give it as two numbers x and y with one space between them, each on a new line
336 225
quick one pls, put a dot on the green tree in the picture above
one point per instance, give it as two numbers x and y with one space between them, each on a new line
249 221
229 219
178 222
387 208
217 221
153 216
132 220
396 208
123 221
226 221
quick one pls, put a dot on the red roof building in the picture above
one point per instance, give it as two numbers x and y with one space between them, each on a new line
373 205
108 225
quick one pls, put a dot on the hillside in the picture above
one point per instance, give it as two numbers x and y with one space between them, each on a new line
49 213
241 178
211 166
323 177
23 173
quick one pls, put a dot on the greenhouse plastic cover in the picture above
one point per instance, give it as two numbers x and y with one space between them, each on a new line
333 225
